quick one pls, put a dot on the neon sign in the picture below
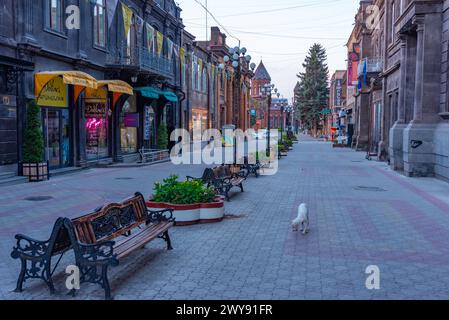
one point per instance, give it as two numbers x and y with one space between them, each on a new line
94 123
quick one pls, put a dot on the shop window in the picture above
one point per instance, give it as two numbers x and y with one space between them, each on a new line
100 23
96 114
54 14
129 123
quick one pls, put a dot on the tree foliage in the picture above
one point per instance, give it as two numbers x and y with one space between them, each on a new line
312 96
33 147
162 137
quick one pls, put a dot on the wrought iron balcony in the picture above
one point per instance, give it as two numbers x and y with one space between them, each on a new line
139 58
373 65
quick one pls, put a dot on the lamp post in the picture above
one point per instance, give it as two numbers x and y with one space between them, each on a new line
240 63
267 91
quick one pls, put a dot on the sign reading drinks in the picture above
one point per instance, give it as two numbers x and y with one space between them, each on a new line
95 110
54 94
95 103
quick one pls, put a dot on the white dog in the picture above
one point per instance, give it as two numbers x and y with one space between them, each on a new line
302 219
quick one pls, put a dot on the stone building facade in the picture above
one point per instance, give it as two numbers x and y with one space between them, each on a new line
408 121
35 38
259 101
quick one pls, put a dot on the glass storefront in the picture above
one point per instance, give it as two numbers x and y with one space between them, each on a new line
56 129
129 123
150 127
199 123
97 115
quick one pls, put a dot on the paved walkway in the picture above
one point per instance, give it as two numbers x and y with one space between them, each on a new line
362 214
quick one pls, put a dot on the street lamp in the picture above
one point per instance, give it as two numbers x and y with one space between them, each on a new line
241 63
267 91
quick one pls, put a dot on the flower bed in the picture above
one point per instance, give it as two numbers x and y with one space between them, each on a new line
189 214
191 201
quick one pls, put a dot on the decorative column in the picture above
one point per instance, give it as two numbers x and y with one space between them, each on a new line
403 80
419 79
396 144
420 143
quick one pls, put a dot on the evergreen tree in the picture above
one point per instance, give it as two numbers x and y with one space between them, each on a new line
33 147
313 92
162 137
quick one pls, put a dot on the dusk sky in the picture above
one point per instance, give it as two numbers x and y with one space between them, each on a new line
279 32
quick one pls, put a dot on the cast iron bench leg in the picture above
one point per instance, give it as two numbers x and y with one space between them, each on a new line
167 239
106 286
19 287
48 279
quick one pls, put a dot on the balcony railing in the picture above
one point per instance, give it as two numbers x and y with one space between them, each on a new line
372 66
140 58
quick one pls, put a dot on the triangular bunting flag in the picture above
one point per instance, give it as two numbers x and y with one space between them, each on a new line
169 49
160 42
127 18
149 37
111 6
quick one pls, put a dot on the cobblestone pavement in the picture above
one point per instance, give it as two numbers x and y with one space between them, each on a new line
361 214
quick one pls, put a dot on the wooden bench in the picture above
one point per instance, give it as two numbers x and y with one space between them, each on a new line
225 178
251 168
207 178
129 222
36 255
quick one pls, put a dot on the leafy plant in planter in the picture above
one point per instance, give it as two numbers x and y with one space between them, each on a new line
162 137
33 163
183 193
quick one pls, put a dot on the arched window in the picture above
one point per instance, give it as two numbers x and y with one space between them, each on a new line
204 80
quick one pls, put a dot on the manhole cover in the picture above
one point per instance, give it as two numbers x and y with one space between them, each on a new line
370 189
124 178
38 198
235 216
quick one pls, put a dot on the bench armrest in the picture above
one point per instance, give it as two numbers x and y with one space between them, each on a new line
29 247
222 180
101 253
242 174
160 216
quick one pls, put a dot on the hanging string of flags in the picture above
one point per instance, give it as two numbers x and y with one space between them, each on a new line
155 41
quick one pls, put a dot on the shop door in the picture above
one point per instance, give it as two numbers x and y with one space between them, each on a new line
56 129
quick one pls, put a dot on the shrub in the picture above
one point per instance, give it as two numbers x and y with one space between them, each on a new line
33 147
185 192
162 137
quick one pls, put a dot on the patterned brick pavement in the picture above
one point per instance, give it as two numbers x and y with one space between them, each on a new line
402 225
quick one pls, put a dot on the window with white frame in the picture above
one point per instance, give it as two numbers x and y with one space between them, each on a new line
100 23
54 15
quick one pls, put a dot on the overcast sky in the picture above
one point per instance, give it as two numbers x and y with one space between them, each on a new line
280 31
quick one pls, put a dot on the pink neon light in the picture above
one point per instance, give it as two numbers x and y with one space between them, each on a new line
94 123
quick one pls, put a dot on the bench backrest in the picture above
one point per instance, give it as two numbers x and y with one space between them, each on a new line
111 221
208 175
59 240
220 172
226 171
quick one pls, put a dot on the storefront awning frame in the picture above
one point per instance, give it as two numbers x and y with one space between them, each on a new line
75 78
154 93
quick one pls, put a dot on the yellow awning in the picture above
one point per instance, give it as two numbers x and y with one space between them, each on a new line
76 78
117 86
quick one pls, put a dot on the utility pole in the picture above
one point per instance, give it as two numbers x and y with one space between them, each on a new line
207 23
